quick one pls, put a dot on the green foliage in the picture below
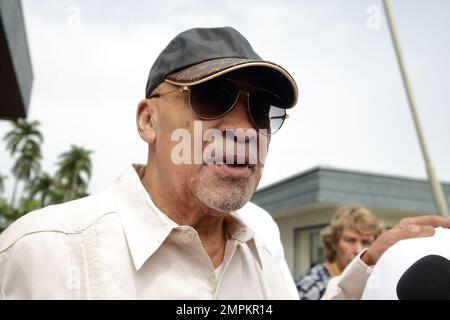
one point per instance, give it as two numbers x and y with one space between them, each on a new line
24 135
43 187
39 188
2 183
7 214
24 142
74 172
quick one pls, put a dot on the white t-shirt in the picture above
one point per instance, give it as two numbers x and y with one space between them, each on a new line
382 283
218 271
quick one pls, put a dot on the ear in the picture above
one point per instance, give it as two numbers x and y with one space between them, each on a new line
146 118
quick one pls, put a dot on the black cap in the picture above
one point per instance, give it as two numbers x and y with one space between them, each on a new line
201 54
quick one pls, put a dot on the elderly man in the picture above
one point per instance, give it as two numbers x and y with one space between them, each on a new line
179 227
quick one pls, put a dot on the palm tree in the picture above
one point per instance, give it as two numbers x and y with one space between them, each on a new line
23 132
42 186
28 162
74 172
26 139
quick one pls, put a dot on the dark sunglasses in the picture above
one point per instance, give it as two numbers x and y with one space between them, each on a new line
215 98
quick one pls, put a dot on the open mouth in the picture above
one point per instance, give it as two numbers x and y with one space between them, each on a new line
236 165
232 167
237 162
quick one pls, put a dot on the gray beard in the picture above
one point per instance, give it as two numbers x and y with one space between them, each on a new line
227 195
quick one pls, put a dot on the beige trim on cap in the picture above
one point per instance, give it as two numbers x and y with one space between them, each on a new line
241 66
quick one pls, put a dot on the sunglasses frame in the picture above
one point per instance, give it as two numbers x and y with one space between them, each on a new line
239 84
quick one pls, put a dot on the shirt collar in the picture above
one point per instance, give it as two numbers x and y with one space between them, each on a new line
146 227
239 231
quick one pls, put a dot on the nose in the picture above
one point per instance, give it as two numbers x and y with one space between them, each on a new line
239 117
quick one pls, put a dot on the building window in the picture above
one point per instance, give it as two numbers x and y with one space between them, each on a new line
317 249
308 248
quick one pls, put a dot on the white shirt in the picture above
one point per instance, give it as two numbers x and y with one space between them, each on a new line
350 284
119 245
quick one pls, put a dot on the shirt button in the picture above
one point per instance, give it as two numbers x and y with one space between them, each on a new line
187 237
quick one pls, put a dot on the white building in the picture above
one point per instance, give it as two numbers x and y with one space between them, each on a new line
303 204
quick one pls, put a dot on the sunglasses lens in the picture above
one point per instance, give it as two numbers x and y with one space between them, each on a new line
213 98
266 111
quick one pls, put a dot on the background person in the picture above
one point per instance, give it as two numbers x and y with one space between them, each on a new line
351 229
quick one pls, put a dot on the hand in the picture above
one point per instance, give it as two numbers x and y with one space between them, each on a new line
415 227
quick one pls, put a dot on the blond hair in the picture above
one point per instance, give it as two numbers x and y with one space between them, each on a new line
353 216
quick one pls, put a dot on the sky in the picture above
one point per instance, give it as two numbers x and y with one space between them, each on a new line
91 61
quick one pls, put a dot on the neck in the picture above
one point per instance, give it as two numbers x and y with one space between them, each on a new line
181 209
332 268
212 233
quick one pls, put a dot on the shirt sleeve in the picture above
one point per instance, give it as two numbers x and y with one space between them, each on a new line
351 283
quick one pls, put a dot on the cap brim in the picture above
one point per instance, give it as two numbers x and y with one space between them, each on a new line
264 74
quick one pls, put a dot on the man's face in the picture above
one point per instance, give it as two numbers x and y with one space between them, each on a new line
350 244
221 187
